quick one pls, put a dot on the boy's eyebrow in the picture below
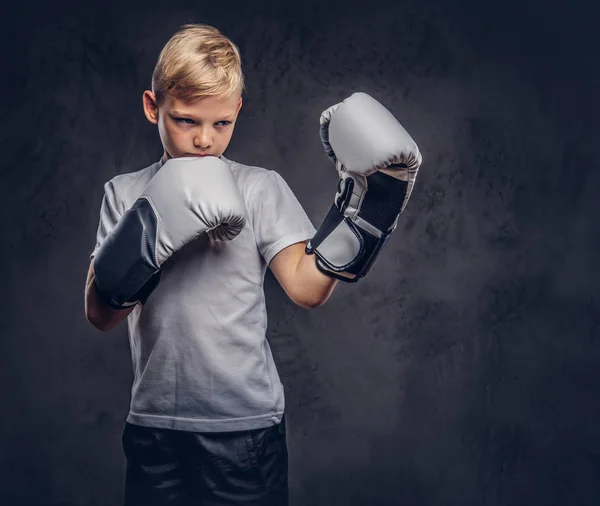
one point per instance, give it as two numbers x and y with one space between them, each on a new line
181 113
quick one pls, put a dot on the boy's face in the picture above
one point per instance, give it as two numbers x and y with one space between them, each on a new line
201 127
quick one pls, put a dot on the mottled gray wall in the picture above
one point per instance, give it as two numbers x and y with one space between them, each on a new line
462 371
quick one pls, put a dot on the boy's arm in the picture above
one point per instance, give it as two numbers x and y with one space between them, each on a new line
97 311
300 278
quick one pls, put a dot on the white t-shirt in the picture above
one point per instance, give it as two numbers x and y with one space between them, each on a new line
200 356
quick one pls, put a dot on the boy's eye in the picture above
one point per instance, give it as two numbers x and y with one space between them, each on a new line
187 121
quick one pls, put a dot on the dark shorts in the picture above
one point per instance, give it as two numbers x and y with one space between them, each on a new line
171 467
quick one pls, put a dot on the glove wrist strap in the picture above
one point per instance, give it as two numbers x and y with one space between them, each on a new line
344 250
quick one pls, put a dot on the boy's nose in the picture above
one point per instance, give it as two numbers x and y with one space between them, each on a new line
202 140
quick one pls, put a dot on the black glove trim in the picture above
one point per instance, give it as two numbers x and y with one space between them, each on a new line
124 267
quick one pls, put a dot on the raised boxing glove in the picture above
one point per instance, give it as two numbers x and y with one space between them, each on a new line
187 197
377 162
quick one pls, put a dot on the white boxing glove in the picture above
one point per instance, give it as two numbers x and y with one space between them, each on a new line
377 162
187 197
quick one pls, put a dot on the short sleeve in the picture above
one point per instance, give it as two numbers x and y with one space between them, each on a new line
277 217
109 215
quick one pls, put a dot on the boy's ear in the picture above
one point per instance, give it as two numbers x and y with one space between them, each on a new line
150 106
239 106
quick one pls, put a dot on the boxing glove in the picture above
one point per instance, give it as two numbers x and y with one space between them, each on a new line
377 162
187 197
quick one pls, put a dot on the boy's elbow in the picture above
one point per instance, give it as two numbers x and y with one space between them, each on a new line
92 319
314 297
311 302
98 322
99 317
313 305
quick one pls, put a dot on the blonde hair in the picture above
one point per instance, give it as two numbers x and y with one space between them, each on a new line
197 61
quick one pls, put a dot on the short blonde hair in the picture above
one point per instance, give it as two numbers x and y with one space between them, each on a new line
197 61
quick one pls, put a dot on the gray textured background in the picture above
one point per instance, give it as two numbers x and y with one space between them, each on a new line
462 371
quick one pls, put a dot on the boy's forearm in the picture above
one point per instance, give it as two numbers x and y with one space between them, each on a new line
97 311
314 287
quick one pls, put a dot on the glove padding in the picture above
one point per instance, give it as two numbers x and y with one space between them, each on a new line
186 198
377 162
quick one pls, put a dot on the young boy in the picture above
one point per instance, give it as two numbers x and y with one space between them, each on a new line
182 249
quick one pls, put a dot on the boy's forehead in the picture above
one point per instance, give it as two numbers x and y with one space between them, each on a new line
204 105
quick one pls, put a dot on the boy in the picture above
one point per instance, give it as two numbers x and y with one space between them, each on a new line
182 249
